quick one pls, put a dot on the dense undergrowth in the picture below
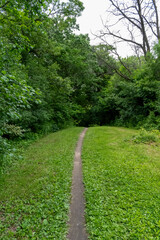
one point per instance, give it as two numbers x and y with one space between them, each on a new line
35 191
122 184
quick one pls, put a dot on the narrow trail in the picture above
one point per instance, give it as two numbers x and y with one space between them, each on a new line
77 229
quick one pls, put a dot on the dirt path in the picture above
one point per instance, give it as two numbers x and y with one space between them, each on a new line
77 229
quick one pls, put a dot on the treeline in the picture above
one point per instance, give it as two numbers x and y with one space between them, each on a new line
51 78
131 97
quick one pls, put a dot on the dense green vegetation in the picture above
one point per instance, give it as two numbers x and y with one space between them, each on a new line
122 184
35 191
121 177
48 75
51 78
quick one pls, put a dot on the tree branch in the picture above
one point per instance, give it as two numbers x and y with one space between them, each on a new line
123 14
113 66
123 39
157 19
5 4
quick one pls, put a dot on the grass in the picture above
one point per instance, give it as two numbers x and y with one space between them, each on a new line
35 192
122 183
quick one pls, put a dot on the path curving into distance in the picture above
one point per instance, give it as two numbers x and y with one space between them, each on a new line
77 230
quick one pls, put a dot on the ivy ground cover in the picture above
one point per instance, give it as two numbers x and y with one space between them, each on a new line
35 193
122 185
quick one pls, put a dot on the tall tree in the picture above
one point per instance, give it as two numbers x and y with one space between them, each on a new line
136 23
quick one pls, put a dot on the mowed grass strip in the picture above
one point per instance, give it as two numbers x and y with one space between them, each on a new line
35 193
122 184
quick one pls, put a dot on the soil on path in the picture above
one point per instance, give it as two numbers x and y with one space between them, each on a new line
77 229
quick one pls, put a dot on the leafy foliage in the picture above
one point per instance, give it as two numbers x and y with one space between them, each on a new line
13 131
134 101
51 78
34 94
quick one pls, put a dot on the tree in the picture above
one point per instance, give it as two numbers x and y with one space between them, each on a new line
137 22
17 19
45 62
31 34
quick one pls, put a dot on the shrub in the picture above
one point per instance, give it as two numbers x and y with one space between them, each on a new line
12 131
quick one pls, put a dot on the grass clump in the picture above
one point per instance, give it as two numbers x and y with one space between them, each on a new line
122 185
145 136
35 192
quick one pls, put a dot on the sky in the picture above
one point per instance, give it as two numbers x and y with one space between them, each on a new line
91 22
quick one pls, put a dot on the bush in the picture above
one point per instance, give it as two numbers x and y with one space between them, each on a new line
11 131
152 122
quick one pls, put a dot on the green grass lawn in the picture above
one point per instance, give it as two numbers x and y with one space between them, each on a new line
122 182
35 192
